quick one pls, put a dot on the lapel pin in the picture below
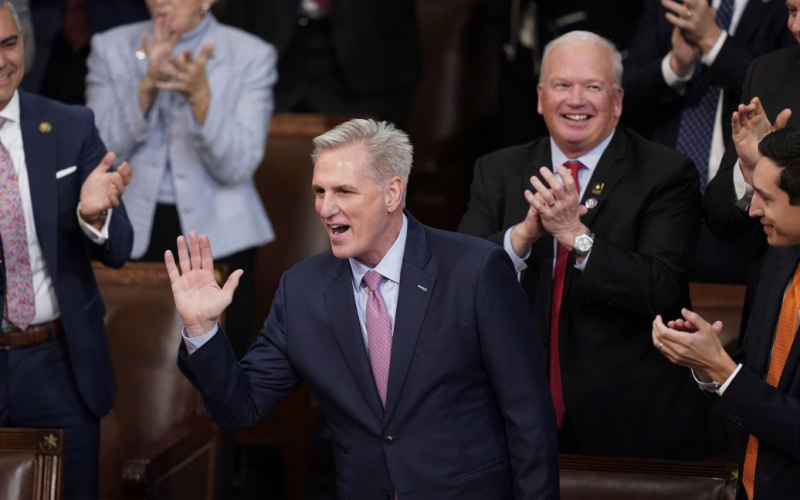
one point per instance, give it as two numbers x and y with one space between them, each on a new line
45 127
140 55
422 288
591 203
598 187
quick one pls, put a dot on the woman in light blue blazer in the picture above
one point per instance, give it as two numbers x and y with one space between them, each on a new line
187 102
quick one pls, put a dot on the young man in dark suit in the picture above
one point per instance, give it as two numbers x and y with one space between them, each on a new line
761 393
53 353
417 342
597 261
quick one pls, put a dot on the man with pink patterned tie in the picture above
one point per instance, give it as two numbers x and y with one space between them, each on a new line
59 210
416 341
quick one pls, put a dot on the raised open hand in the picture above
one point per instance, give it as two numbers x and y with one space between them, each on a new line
198 298
750 124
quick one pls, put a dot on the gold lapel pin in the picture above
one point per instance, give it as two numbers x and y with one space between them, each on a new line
598 187
45 127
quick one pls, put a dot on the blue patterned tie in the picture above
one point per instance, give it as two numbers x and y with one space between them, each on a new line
700 107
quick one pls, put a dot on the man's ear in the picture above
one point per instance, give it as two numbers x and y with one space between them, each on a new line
394 194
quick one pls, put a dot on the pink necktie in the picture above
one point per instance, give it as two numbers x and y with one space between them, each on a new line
379 333
558 291
20 306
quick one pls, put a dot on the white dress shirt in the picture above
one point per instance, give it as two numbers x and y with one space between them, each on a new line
46 304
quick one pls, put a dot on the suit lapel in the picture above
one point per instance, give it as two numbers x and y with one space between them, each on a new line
347 329
790 264
40 149
606 176
764 329
416 288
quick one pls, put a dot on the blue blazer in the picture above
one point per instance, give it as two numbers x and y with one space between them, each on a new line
73 141
212 165
468 414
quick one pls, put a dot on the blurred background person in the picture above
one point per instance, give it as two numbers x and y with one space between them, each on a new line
683 79
62 30
196 129
343 57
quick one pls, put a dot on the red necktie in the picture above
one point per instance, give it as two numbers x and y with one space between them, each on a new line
784 337
559 274
379 333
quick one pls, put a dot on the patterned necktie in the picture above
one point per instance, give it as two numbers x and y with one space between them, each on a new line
379 333
784 337
696 127
20 306
559 274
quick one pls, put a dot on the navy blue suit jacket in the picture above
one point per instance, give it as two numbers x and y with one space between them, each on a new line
772 414
73 141
468 415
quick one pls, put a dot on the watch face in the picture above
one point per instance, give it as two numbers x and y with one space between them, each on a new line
583 243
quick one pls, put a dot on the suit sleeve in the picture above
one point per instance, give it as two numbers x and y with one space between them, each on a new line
484 217
237 395
724 219
649 278
115 100
763 411
643 80
231 142
516 369
117 248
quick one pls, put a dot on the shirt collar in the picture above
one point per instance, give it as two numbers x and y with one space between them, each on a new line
191 38
589 160
11 111
392 263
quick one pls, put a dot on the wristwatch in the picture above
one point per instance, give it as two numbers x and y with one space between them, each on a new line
583 244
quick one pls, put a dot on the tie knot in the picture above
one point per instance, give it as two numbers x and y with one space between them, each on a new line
373 280
574 166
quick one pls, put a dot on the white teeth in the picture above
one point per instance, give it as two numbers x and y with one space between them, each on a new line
579 118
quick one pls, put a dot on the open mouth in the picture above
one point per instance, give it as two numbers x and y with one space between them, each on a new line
338 229
576 117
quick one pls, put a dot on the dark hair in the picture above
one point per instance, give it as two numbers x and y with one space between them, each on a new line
782 147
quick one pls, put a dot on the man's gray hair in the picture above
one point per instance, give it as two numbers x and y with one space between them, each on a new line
7 3
390 152
589 38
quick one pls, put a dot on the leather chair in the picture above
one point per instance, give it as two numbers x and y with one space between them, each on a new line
156 442
600 478
31 463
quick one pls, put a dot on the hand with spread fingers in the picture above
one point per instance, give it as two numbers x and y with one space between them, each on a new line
527 232
102 189
694 343
198 298
558 205
750 124
696 20
160 64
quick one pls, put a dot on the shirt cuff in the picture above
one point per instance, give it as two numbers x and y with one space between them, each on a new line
519 262
194 343
671 78
708 59
98 237
580 266
744 191
716 387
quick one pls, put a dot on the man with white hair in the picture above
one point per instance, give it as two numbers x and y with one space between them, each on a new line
599 242
415 341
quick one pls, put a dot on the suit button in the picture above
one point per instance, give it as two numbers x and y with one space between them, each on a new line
387 495
388 440
302 21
